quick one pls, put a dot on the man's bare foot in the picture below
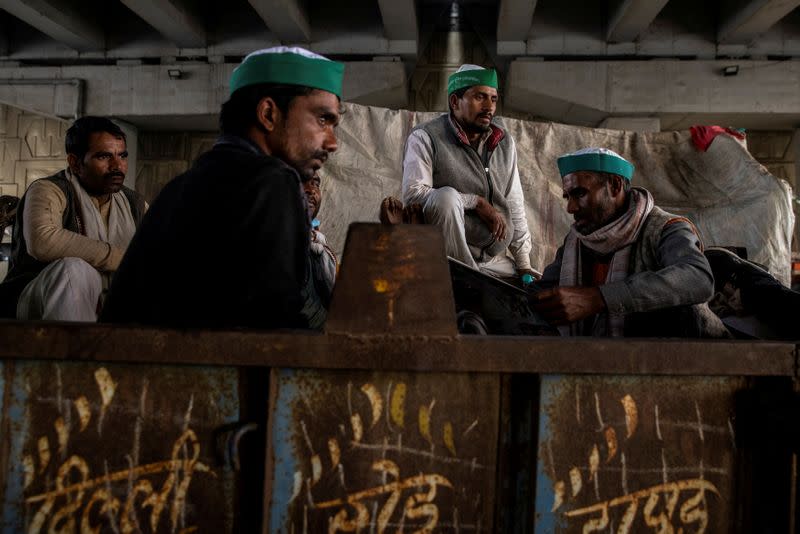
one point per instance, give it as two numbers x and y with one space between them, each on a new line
412 214
391 211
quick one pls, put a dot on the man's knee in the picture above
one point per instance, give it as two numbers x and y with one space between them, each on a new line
67 289
79 273
443 202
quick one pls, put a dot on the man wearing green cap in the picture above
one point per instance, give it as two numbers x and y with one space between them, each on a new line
226 244
462 170
627 267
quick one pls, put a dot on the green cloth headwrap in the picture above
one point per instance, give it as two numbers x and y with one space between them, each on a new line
468 78
291 69
596 162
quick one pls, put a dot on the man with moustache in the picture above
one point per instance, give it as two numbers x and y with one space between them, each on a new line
226 244
323 259
627 267
73 228
462 169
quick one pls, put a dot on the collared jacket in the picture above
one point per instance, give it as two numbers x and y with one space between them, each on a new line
669 285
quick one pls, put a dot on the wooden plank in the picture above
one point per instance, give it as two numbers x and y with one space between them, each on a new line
62 341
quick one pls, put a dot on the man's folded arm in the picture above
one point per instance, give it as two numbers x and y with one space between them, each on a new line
47 239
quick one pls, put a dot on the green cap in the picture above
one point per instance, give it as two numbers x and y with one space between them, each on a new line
469 75
595 160
290 66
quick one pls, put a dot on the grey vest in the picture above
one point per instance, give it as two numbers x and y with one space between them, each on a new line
456 164
23 267
696 320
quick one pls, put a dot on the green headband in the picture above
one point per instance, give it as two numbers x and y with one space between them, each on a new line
596 163
468 78
291 69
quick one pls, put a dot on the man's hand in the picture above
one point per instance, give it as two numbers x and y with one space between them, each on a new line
491 218
534 274
564 305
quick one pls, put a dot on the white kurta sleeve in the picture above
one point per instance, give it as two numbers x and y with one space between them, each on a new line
418 171
520 245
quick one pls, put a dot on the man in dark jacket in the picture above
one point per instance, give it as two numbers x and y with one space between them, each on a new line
627 267
226 244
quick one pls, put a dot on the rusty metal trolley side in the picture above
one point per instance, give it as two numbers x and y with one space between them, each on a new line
395 421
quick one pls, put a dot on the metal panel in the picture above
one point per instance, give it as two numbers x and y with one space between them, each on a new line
115 448
393 279
422 352
627 454
361 451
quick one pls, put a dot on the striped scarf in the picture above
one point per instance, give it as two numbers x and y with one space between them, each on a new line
617 237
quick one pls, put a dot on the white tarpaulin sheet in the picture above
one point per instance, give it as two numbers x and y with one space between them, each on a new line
730 197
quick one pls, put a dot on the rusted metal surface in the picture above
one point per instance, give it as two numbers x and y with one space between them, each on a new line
382 452
54 341
629 454
115 448
393 279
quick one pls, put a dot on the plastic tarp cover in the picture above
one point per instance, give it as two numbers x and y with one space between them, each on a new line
731 198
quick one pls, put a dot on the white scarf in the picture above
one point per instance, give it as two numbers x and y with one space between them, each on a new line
616 237
121 225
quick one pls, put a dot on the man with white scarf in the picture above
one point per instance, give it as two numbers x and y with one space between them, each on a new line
73 228
627 267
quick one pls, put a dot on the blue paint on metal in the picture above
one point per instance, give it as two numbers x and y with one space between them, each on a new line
285 456
546 521
13 507
221 390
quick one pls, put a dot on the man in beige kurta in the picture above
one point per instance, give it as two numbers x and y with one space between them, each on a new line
73 227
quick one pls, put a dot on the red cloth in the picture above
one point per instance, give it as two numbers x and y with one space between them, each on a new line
600 273
703 135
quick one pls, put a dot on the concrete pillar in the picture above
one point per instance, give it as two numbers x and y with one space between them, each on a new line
632 124
132 138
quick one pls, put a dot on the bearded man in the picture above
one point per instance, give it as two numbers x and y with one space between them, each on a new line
627 267
462 169
226 244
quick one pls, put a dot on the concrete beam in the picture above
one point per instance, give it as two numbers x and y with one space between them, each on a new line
631 124
59 21
146 92
753 18
376 83
172 20
631 18
4 26
514 20
399 19
586 92
288 19
53 97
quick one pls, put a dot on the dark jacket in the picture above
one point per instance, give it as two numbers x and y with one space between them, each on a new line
226 244
22 266
670 282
